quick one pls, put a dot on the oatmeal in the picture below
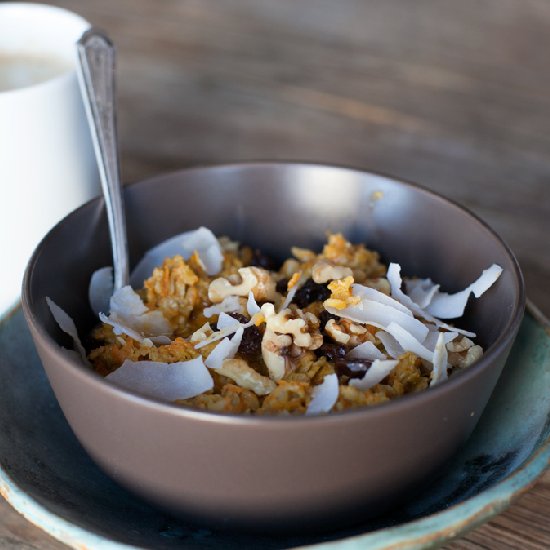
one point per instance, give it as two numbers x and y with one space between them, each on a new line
217 326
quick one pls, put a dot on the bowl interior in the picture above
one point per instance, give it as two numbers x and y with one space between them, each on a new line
274 207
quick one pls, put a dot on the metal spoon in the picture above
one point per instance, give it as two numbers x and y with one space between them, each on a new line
96 74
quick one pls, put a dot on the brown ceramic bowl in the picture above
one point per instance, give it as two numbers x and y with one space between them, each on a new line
276 472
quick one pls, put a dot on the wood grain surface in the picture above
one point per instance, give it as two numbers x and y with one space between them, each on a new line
453 95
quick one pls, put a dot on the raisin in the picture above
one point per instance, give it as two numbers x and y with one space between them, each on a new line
280 287
332 351
251 343
262 260
239 317
354 368
311 292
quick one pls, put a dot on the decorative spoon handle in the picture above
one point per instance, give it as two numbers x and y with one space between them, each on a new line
96 73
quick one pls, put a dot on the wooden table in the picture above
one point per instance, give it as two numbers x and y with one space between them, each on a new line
454 95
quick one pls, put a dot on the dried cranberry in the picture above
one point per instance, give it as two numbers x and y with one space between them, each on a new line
310 292
239 317
354 368
332 351
251 343
262 260
280 287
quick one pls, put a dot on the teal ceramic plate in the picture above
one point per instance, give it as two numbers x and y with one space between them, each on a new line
46 475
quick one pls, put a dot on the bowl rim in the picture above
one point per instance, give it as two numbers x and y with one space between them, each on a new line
398 406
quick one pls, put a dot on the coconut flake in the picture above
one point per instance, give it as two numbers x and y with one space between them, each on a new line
451 306
226 321
440 356
368 293
66 324
163 381
127 303
215 336
252 306
202 240
101 289
380 315
394 278
391 345
227 305
226 325
226 349
431 340
289 297
421 291
324 395
366 350
376 373
408 342
130 316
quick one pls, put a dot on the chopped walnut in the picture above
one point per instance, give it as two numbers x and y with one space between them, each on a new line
239 371
303 254
254 279
274 347
335 331
324 271
304 327
459 345
289 268
347 332
463 360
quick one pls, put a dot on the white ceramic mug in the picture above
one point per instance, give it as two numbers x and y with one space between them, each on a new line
47 162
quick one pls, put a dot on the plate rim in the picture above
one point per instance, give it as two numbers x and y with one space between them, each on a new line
426 531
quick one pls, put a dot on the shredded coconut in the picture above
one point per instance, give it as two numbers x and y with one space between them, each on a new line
101 289
366 350
226 349
375 374
66 324
202 240
439 373
163 381
229 304
324 396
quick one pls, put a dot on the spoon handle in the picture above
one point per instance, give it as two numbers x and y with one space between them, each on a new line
96 73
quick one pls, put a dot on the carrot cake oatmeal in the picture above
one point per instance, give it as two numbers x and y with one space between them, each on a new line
218 326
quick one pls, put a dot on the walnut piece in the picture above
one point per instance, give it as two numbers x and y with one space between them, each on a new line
463 360
273 348
246 377
324 271
346 332
334 330
253 279
303 254
304 327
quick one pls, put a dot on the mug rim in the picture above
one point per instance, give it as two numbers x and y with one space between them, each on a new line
35 8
